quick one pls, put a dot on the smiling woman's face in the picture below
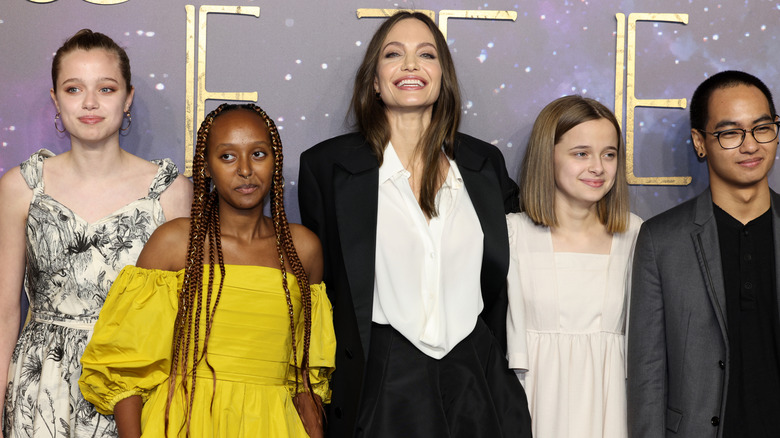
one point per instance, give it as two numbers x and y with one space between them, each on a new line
585 163
408 75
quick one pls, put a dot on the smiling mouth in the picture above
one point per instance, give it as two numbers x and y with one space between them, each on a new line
410 83
594 182
753 162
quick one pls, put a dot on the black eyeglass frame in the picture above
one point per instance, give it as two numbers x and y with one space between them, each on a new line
717 134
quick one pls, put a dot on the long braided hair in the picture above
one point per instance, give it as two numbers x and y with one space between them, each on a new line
205 230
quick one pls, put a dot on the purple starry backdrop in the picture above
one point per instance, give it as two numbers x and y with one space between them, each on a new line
300 57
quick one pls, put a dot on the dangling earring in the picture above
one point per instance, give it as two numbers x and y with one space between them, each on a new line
129 122
57 117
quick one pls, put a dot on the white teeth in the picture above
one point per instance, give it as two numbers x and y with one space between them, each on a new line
410 82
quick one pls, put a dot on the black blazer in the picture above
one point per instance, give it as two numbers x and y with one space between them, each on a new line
337 195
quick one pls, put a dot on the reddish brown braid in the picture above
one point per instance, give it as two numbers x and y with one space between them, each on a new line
205 224
285 246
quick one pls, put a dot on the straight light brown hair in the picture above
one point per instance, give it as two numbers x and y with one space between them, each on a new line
537 174
371 120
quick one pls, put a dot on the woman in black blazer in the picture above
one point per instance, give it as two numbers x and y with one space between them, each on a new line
411 218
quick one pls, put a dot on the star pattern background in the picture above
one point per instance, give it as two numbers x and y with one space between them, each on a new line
300 57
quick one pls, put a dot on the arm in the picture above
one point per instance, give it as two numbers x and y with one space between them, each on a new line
129 354
517 349
127 414
177 199
509 189
310 204
646 355
120 370
15 198
309 250
167 247
309 405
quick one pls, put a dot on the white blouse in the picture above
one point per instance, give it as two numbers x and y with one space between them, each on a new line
427 280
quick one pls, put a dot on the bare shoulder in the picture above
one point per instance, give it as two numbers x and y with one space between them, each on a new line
176 200
12 179
134 172
167 247
15 195
309 250
304 239
144 169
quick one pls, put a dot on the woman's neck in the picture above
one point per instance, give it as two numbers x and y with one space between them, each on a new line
96 162
245 225
406 131
580 230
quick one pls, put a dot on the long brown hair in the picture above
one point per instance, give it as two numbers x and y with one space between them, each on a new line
537 174
205 230
371 120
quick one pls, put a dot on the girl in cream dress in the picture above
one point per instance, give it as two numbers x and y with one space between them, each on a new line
571 253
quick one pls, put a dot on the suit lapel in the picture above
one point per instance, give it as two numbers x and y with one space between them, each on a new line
776 238
485 195
355 183
705 240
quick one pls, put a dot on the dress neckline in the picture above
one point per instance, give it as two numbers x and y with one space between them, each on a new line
236 266
99 220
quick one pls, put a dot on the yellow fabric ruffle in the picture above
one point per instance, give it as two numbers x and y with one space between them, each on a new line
249 348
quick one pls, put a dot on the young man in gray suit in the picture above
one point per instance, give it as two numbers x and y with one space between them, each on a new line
703 333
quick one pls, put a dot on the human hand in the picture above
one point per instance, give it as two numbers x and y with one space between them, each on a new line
309 407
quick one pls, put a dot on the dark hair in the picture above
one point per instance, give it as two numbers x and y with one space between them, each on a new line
371 120
205 229
725 79
537 174
85 39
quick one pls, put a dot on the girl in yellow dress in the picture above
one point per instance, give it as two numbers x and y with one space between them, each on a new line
231 334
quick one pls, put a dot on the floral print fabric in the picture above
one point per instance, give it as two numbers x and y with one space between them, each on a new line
71 265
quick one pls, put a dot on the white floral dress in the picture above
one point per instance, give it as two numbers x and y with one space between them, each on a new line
71 265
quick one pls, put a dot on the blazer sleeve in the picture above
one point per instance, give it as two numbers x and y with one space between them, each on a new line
310 204
509 189
647 363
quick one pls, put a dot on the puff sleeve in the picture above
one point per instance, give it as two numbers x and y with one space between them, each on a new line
130 350
322 346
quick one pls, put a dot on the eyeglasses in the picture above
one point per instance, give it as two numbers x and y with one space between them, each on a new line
733 138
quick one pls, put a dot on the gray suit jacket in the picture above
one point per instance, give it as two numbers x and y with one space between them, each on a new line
678 350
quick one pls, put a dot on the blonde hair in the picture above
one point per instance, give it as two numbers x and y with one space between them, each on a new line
537 173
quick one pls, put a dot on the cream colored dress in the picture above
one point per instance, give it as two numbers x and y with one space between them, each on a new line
566 327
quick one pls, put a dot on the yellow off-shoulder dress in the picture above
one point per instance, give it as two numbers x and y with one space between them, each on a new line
249 348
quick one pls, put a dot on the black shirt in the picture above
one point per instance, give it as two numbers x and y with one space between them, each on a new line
748 259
